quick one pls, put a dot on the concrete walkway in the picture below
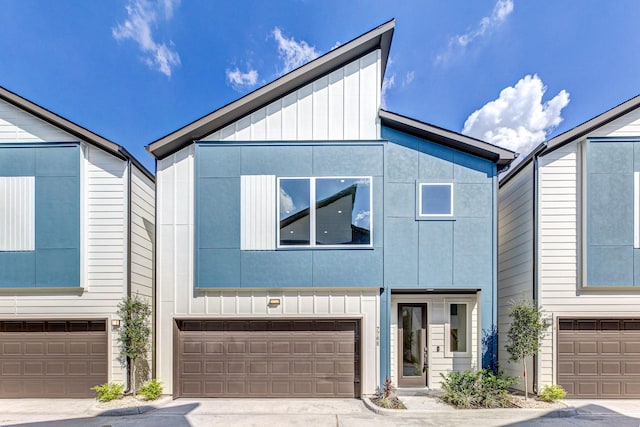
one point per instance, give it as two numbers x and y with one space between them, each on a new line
422 411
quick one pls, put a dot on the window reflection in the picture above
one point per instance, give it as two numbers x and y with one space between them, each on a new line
295 201
343 211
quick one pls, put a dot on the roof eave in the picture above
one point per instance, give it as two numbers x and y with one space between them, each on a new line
501 156
71 128
591 125
378 38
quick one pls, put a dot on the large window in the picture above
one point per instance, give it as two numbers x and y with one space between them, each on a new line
324 212
435 199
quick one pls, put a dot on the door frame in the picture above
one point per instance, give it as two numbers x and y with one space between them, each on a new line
421 381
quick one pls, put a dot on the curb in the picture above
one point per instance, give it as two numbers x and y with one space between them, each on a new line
131 410
544 413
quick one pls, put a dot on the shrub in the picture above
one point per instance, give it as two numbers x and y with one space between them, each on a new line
386 398
476 389
151 390
109 391
551 393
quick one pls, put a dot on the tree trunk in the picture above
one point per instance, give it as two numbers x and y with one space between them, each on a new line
526 386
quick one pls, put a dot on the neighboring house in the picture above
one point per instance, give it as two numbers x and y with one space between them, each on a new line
569 221
76 236
311 244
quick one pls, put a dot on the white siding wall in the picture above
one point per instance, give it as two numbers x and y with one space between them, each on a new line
258 212
437 322
142 234
515 259
628 125
175 291
19 126
341 106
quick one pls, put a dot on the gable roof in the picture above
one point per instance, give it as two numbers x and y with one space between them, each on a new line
68 126
576 133
501 156
378 38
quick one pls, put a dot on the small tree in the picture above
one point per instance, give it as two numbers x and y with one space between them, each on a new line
134 333
525 334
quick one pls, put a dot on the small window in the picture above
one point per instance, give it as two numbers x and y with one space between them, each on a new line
458 328
435 200
324 212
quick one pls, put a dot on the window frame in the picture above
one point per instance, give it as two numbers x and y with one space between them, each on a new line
312 214
447 336
422 215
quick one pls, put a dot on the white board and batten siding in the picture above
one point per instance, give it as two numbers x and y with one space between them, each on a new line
17 213
515 259
17 125
340 106
258 212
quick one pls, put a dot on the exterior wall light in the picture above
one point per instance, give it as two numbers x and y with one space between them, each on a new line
274 301
115 323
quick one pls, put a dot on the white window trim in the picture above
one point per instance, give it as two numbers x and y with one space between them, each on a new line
312 214
636 210
424 184
447 328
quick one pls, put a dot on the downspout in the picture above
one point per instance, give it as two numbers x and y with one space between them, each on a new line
128 390
153 274
536 246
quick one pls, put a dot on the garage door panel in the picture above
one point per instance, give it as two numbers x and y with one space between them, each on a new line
604 362
284 358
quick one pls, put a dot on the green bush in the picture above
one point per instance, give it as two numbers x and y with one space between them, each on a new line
109 391
551 393
476 389
151 390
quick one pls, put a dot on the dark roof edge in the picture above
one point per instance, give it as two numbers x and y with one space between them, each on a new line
590 125
501 156
70 127
513 172
378 38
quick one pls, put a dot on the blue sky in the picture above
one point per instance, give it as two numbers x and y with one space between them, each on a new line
135 70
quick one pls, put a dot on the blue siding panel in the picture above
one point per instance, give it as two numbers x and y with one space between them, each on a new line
610 266
277 160
17 269
57 267
56 259
218 216
347 268
611 209
217 268
277 269
223 162
473 255
404 167
400 200
468 168
436 254
473 200
57 212
401 252
348 160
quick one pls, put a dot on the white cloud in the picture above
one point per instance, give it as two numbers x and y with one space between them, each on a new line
501 11
387 84
286 202
518 119
240 80
292 52
408 78
142 14
363 219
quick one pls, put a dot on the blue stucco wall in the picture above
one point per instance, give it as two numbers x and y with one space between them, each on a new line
55 262
219 262
436 253
611 257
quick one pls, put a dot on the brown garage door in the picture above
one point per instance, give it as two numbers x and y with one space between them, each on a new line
52 358
267 358
599 357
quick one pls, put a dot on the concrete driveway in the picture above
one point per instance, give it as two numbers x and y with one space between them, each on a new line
304 412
